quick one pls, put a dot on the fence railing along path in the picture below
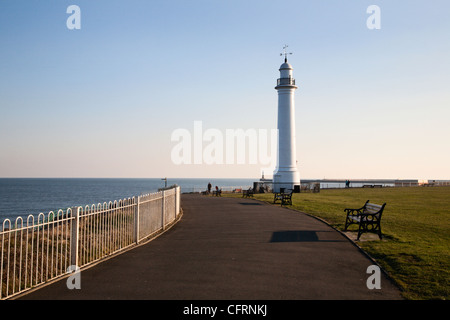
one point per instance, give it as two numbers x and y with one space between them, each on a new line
39 249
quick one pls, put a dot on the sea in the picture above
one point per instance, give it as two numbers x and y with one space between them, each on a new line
25 196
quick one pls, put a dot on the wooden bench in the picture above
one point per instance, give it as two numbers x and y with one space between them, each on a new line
217 193
285 198
368 217
247 193
277 196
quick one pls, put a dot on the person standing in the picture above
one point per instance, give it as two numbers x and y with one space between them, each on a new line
209 187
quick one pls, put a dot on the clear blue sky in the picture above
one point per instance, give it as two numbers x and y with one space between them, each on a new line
104 100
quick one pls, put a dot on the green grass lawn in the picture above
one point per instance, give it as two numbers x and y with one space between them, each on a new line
415 250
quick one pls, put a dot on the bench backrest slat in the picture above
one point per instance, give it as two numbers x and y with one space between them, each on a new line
373 208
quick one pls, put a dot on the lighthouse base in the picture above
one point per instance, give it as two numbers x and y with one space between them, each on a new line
286 180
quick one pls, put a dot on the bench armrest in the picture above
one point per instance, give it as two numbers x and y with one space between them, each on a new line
358 210
354 212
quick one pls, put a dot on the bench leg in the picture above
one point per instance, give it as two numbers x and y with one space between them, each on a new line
359 235
347 223
360 231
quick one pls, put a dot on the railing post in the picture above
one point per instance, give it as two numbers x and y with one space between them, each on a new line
74 237
163 209
136 221
175 201
177 197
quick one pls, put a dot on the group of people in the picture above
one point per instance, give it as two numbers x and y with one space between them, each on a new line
218 191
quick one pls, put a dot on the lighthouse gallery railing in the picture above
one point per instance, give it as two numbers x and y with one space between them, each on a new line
282 81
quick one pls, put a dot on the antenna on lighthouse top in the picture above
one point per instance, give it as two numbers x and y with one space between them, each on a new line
285 53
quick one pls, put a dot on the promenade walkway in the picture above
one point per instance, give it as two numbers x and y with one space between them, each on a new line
232 248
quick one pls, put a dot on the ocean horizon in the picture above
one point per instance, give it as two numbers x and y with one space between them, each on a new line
25 196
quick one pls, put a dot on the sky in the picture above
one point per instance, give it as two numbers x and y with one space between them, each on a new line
105 100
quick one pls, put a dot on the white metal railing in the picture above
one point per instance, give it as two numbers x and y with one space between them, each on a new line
43 249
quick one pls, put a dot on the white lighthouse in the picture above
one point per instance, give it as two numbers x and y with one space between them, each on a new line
286 175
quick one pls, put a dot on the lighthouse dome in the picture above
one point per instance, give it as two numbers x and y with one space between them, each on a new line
286 66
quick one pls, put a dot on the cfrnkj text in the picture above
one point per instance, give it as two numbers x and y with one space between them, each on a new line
232 309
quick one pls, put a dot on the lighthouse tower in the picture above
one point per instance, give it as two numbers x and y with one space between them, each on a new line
286 175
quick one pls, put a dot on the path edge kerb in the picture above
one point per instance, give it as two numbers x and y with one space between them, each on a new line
385 272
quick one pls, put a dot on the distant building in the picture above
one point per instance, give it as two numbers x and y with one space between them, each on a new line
406 183
439 182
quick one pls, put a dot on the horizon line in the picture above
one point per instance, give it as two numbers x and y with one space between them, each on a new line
246 178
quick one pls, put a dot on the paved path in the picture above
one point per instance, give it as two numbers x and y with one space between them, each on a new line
231 248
